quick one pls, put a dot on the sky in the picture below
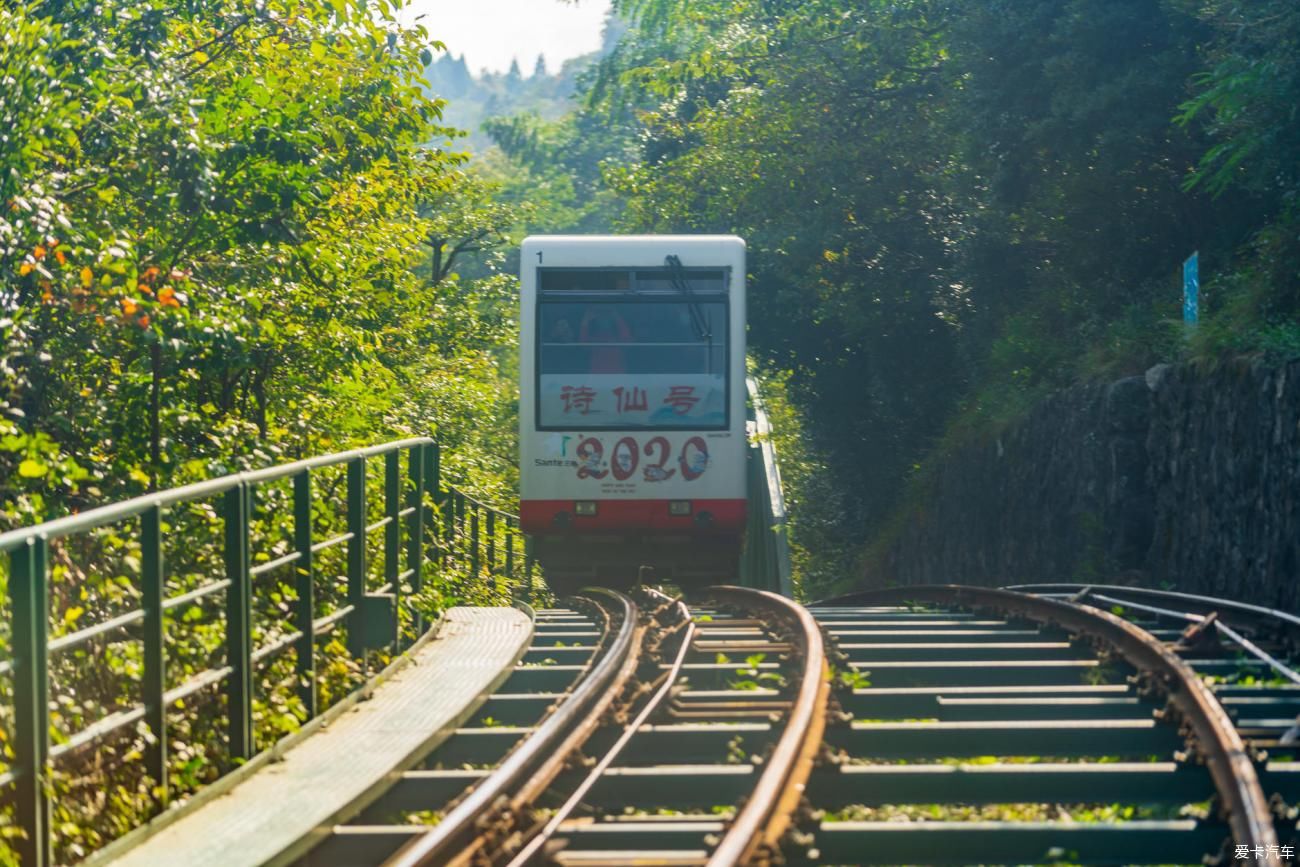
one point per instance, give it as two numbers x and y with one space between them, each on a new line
490 33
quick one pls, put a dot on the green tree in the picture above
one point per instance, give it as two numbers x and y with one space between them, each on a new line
212 226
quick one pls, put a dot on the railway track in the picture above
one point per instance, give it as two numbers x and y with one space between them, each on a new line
711 766
933 725
1249 655
1002 727
577 654
592 751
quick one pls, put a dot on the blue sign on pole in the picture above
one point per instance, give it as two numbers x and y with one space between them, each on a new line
1192 289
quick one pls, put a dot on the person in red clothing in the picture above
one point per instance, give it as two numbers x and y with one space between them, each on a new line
603 327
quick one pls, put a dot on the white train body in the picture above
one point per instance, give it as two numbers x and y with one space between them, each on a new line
632 404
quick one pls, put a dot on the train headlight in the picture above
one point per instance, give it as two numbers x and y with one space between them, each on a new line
679 508
585 508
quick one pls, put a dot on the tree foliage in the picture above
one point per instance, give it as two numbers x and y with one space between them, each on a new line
216 220
213 214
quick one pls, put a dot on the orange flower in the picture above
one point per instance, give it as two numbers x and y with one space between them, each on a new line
128 306
47 297
58 254
26 268
150 273
167 296
87 276
144 321
144 289
39 252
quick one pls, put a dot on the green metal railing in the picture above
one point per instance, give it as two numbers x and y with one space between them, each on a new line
426 528
490 543
765 562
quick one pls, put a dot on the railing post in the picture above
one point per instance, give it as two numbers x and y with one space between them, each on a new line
473 543
492 543
27 593
154 681
510 558
433 484
239 644
356 552
306 586
528 569
415 530
447 510
393 535
457 531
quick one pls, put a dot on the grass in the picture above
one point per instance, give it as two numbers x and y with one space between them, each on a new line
1010 812
420 817
849 678
1008 760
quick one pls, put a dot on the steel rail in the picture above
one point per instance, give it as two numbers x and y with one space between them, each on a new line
1255 650
758 827
1284 617
1233 635
1288 624
535 845
1217 742
537 759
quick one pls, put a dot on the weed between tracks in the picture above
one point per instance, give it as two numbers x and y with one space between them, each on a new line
722 811
1244 678
1018 812
755 678
1008 760
1102 675
418 817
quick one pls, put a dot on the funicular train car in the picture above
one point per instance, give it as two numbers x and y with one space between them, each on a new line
632 406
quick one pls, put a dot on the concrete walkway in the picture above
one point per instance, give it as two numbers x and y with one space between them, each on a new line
285 807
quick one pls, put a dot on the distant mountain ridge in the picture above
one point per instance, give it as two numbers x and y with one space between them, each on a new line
472 99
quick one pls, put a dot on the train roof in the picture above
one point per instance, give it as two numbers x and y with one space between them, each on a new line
614 250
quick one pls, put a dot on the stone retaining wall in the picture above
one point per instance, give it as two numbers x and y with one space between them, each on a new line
1184 477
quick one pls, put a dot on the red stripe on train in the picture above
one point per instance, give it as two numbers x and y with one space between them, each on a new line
540 516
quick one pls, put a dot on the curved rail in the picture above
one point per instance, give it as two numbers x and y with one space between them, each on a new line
768 813
540 757
1287 624
1213 602
530 852
1220 747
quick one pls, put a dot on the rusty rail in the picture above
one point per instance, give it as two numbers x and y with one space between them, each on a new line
535 846
493 807
758 827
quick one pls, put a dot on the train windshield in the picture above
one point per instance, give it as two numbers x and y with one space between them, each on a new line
628 351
